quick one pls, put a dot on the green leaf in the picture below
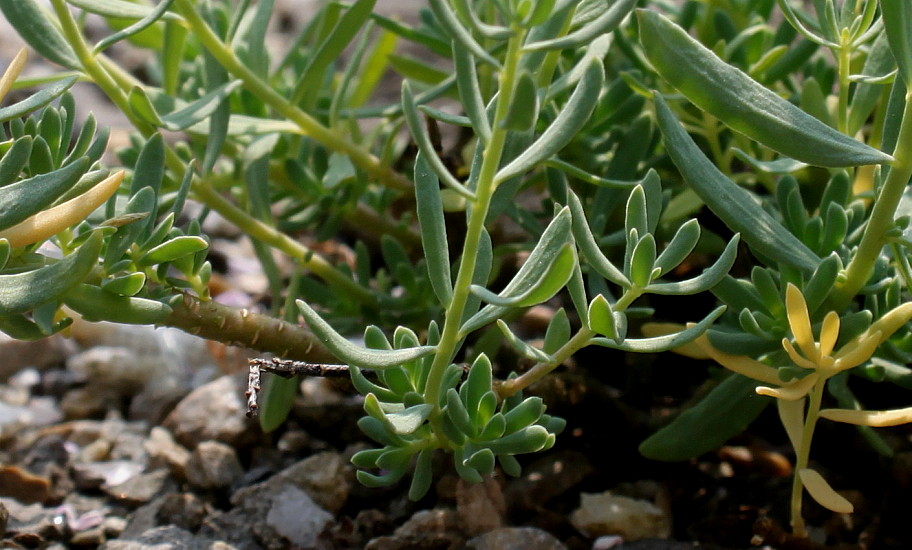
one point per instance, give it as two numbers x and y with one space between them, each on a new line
462 37
662 343
527 440
642 262
351 22
120 9
457 413
21 292
601 318
425 146
588 246
422 476
568 123
32 23
5 250
549 282
433 230
410 419
525 414
710 277
682 244
278 398
728 409
477 384
897 18
25 198
735 206
558 332
466 11
521 346
482 460
356 355
523 109
188 115
97 304
743 104
605 23
125 285
15 160
546 270
37 100
150 18
173 249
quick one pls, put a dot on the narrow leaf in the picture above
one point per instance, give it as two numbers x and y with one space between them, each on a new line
433 230
32 23
356 355
710 277
821 491
27 197
736 207
571 119
897 18
21 292
37 100
743 104
603 24
454 28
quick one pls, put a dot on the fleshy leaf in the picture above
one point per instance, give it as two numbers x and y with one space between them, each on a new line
743 104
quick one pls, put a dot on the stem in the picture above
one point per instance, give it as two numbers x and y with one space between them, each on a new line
262 90
241 327
881 218
450 336
802 455
280 241
843 55
579 341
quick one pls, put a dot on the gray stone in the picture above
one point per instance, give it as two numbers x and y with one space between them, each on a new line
213 465
4 518
609 514
515 538
167 538
93 475
139 489
214 412
20 354
295 517
437 528
326 477
163 451
184 510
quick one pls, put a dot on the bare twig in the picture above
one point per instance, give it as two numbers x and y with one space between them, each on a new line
287 368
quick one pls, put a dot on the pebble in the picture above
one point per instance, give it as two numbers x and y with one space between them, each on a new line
325 476
139 489
164 451
184 510
608 514
93 475
480 506
214 411
213 465
437 528
20 354
295 517
167 538
23 486
515 538
4 518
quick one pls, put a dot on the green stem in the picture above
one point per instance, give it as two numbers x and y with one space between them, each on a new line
579 341
802 457
114 88
262 90
450 336
881 218
280 241
844 56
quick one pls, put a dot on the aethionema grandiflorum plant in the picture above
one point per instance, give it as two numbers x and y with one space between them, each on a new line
524 103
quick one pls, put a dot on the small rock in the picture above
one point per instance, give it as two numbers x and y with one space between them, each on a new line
20 354
480 506
213 465
213 412
437 528
118 369
547 478
515 538
23 486
609 514
139 489
87 403
297 518
93 475
167 538
89 537
164 451
113 526
33 524
184 510
326 477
